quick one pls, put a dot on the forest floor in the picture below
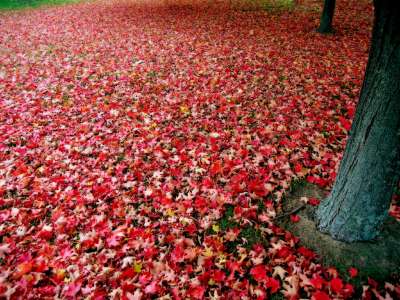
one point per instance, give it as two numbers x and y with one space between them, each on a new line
145 150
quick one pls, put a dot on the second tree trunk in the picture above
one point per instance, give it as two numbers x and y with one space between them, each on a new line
327 16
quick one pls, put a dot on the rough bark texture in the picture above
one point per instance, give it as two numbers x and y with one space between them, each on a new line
369 171
325 25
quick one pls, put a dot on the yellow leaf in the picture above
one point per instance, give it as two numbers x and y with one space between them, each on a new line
220 260
170 212
137 267
184 109
60 273
208 252
215 227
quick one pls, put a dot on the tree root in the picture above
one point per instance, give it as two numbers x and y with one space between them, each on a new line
293 211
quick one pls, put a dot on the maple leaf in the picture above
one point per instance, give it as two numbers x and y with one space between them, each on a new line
59 274
4 249
259 273
257 187
151 288
137 295
281 272
48 290
232 234
353 272
332 272
191 229
298 168
46 233
9 292
317 282
348 290
127 273
178 254
294 218
197 292
273 284
314 201
336 285
306 252
72 289
345 123
291 287
137 267
218 276
114 239
191 253
23 268
320 296
216 168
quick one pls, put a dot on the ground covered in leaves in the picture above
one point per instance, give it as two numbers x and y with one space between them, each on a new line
145 150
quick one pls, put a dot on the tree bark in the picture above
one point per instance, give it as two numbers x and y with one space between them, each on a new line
369 171
325 25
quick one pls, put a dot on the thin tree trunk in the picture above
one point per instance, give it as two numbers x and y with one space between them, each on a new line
369 171
325 25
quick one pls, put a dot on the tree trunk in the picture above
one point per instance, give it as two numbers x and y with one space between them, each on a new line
370 168
325 25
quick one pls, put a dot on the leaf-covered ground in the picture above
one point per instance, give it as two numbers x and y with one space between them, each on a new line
144 150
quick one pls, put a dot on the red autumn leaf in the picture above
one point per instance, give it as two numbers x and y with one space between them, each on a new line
306 252
373 283
48 290
257 187
313 201
197 292
259 273
348 290
178 254
216 168
131 114
152 288
218 276
317 282
353 272
298 167
200 203
320 296
23 268
127 273
273 284
191 229
72 289
45 234
40 266
284 252
336 285
351 110
294 218
345 123
332 272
